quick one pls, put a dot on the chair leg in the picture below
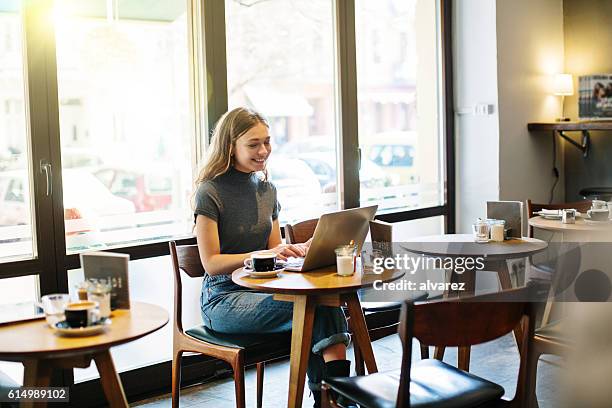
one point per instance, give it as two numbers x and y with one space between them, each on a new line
359 364
238 368
327 398
532 379
424 352
176 378
260 380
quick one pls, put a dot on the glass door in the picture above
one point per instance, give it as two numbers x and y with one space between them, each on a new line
27 249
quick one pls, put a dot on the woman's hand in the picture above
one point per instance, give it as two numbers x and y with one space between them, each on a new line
284 251
305 246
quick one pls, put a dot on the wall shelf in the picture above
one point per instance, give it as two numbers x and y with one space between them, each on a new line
561 127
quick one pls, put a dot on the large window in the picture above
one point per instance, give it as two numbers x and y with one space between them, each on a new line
106 107
294 90
399 103
123 84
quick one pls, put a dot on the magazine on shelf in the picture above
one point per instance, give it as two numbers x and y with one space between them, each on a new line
112 267
595 97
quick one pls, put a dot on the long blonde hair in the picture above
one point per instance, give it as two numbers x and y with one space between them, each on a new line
230 127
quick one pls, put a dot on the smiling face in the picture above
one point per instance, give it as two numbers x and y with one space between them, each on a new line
252 149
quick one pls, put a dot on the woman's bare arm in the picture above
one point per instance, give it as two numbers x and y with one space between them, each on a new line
216 263
210 249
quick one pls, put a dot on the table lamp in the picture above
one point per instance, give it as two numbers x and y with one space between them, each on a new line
563 85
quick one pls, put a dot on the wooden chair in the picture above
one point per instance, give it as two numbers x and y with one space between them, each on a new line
533 208
550 337
382 317
236 350
455 322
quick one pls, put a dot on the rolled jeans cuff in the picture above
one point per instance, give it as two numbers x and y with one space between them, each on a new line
337 338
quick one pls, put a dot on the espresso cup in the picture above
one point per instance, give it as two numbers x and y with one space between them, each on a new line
598 214
261 261
82 314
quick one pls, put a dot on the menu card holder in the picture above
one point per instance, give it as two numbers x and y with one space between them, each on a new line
509 211
114 268
382 236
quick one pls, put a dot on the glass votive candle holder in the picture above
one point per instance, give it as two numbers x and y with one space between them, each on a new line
345 259
481 231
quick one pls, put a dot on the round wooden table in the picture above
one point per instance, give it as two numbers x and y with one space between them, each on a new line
463 245
582 231
307 290
41 349
495 256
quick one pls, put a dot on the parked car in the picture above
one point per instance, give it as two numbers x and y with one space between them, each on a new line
309 144
394 153
85 197
298 189
323 164
148 191
80 158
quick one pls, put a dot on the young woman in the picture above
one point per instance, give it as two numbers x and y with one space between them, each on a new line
236 214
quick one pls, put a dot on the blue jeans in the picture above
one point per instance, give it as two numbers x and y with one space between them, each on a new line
229 308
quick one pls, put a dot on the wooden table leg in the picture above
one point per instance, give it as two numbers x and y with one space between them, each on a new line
301 337
37 373
463 354
360 330
110 380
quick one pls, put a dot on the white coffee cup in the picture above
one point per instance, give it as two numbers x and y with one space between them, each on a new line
598 204
600 214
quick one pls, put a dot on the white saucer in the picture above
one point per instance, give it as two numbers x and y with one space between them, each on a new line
550 216
603 222
267 274
63 329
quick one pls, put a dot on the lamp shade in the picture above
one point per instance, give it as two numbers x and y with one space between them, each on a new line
563 84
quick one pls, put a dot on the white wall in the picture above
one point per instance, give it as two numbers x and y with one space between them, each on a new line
505 52
529 51
477 136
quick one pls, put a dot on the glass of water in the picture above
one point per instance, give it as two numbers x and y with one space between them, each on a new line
54 306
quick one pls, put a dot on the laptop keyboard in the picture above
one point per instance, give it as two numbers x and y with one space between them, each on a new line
294 264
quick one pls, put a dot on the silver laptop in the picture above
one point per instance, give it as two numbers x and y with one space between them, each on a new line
334 229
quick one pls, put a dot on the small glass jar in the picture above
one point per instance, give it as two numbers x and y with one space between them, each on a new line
568 216
100 291
346 259
497 230
481 231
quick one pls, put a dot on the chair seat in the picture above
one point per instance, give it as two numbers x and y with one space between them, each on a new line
243 341
553 331
433 384
380 306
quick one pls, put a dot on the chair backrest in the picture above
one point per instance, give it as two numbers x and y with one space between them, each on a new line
532 208
187 259
466 322
300 232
